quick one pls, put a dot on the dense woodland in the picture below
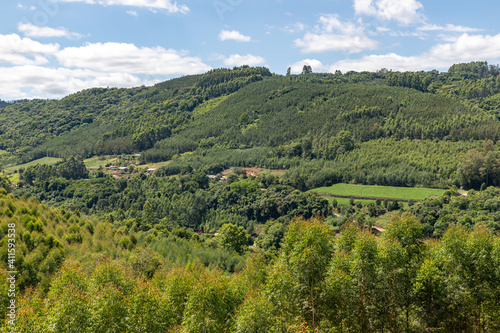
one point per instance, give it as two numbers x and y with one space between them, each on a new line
179 250
273 121
76 276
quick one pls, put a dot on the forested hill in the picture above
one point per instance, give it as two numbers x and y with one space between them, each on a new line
98 121
186 206
247 107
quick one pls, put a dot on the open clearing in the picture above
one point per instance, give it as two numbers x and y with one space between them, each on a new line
43 160
98 161
13 175
259 172
382 192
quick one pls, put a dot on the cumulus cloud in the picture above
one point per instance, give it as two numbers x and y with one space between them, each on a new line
375 62
167 5
316 65
42 82
240 60
31 30
24 51
465 48
128 58
234 35
469 48
402 11
335 35
33 69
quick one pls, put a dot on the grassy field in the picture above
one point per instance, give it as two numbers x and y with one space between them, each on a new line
96 162
11 171
403 193
153 165
44 160
13 177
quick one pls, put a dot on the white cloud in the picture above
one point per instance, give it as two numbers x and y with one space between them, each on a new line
316 65
132 13
407 34
383 29
448 32
375 62
33 69
167 5
448 28
469 48
465 48
21 6
295 27
364 7
24 51
233 35
240 60
31 30
42 82
335 35
128 58
402 11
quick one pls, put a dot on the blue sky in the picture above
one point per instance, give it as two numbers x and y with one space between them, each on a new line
52 48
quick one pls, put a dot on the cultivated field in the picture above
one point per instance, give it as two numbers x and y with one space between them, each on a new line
97 161
373 191
43 160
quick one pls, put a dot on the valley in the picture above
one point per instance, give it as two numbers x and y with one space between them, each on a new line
240 200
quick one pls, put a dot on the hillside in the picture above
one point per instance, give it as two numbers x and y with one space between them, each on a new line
46 237
415 284
185 207
109 121
248 107
252 118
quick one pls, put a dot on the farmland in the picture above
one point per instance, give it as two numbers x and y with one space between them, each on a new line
44 160
11 172
373 191
103 243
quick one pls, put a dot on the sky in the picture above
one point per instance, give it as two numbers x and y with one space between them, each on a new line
53 48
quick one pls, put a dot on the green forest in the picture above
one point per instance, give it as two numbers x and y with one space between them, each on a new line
192 205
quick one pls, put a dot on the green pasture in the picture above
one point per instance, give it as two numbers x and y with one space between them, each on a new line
43 160
13 177
98 161
153 165
403 193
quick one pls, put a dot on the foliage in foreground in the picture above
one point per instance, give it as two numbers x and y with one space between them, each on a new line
352 282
